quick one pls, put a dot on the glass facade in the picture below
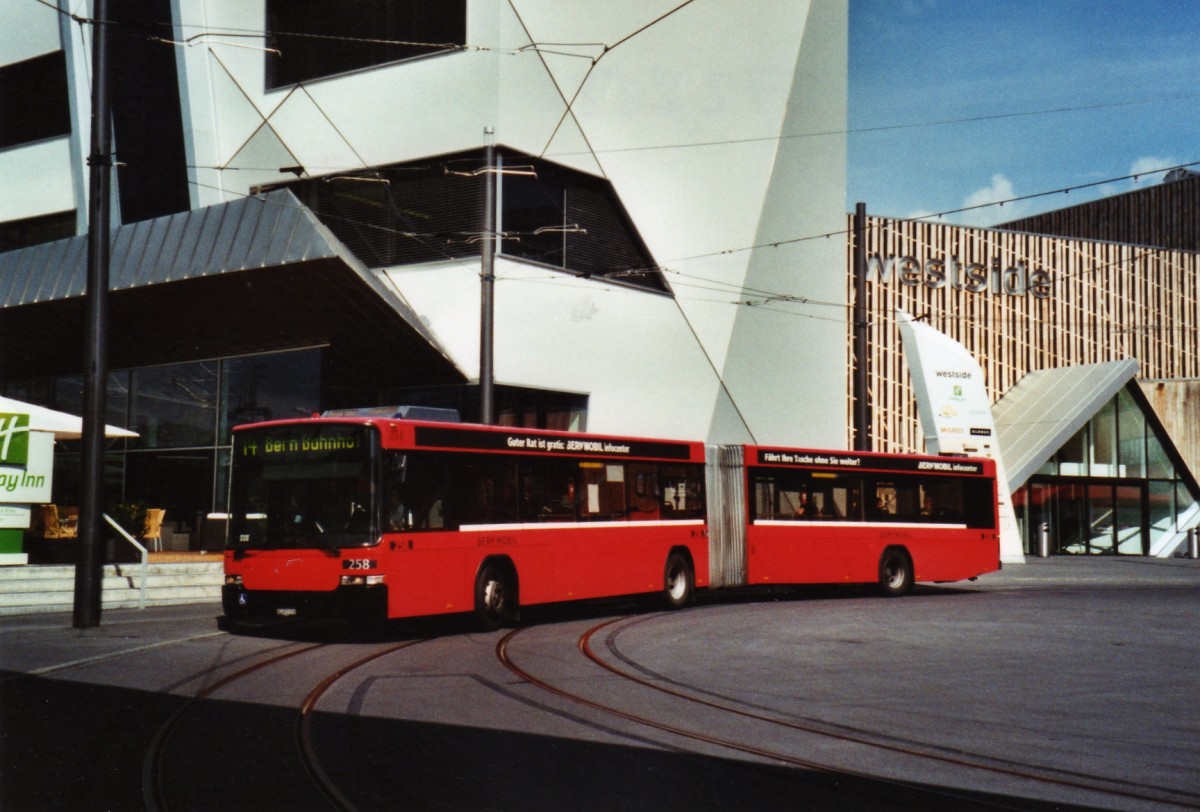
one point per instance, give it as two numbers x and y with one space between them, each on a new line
183 414
1112 489
431 210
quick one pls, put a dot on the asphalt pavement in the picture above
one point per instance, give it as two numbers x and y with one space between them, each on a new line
1081 667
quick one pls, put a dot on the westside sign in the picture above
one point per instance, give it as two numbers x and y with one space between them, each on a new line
935 273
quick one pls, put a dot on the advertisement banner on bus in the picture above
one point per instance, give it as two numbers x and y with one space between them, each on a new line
529 442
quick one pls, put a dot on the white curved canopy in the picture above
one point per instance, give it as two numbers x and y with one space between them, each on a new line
64 426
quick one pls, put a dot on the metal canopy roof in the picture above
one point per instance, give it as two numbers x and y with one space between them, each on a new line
1036 417
255 275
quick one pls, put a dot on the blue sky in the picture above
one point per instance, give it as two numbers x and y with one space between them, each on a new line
1134 64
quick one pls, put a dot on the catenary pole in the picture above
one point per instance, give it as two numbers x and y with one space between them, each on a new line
90 561
487 409
862 406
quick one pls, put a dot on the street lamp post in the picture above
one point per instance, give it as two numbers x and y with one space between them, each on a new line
91 554
487 375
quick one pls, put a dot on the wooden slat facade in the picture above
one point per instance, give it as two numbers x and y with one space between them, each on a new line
1104 301
1166 215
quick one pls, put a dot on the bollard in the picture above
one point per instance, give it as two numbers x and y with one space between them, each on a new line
1044 540
1193 546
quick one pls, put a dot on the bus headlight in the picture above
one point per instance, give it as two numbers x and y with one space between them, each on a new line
233 580
362 580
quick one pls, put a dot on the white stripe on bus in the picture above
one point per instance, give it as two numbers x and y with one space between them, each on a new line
819 523
493 528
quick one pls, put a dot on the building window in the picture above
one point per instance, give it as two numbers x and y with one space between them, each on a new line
318 38
183 414
430 210
33 100
174 406
36 230
1112 489
571 221
268 387
147 115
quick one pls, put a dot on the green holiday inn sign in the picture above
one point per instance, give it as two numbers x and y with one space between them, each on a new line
14 439
26 461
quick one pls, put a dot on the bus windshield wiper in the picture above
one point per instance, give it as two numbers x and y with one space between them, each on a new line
323 541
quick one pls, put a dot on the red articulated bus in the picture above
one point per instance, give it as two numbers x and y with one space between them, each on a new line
377 517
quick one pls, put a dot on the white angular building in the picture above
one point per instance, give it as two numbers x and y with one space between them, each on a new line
298 213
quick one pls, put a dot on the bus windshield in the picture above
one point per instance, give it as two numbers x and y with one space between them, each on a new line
304 486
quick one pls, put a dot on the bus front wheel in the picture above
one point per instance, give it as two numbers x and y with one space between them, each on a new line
679 582
495 597
895 573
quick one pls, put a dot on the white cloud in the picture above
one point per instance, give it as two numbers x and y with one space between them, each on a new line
1146 171
1144 168
1000 190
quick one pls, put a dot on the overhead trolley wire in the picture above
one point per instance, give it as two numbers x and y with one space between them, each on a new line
939 215
760 297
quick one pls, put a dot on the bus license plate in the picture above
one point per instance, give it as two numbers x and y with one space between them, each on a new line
285 612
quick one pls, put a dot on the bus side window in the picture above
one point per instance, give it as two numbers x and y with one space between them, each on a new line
432 477
642 492
882 505
488 490
682 491
548 490
939 502
763 489
415 487
841 500
906 499
604 491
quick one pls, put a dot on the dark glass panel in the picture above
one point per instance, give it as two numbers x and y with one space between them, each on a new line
179 481
269 387
1131 428
33 100
1104 441
1101 519
146 113
316 38
1130 538
1073 456
175 405
36 230
433 209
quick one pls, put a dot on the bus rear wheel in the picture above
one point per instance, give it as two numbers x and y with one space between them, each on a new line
679 582
895 573
495 597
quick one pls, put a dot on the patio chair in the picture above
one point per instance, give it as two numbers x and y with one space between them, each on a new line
153 529
55 528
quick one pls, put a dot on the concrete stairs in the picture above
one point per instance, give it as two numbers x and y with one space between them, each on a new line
51 588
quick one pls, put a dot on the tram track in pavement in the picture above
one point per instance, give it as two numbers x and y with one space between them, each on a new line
1115 791
891 742
155 796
